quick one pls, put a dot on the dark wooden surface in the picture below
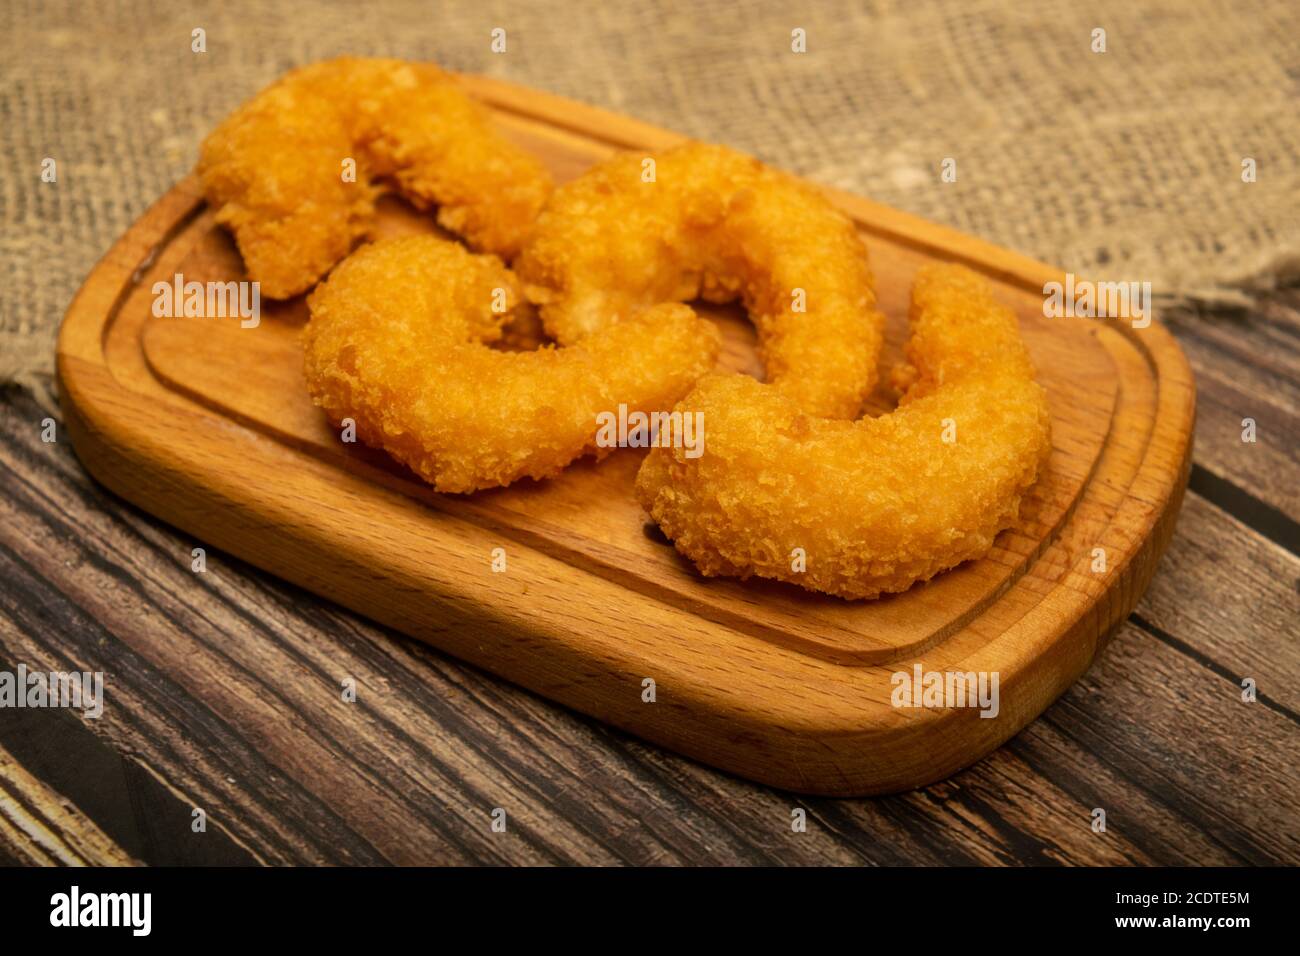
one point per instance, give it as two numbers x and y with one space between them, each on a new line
224 694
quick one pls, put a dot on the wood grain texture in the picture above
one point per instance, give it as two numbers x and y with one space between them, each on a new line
41 827
1155 732
1248 367
208 425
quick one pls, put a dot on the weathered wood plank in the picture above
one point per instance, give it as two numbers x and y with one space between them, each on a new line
1161 743
1247 365
139 811
406 711
1232 596
52 532
1215 779
1151 734
40 826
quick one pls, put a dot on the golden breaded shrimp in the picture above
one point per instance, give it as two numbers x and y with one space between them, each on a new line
718 225
275 169
397 342
876 504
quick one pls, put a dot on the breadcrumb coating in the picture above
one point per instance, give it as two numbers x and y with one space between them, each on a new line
274 170
397 341
718 225
878 504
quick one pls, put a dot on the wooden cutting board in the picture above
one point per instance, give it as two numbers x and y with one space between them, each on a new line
208 425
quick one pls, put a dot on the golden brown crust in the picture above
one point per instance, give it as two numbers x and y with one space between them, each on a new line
718 225
878 504
274 169
397 341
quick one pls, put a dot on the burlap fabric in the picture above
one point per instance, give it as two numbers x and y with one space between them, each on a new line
1125 164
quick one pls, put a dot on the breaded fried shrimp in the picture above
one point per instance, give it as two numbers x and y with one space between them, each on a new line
277 170
398 342
878 504
708 222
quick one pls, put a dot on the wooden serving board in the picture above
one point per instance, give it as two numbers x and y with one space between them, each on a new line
209 426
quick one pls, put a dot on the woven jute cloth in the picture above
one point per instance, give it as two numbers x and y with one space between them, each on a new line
1122 164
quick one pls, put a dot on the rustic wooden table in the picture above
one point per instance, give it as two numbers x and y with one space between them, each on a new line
1156 733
